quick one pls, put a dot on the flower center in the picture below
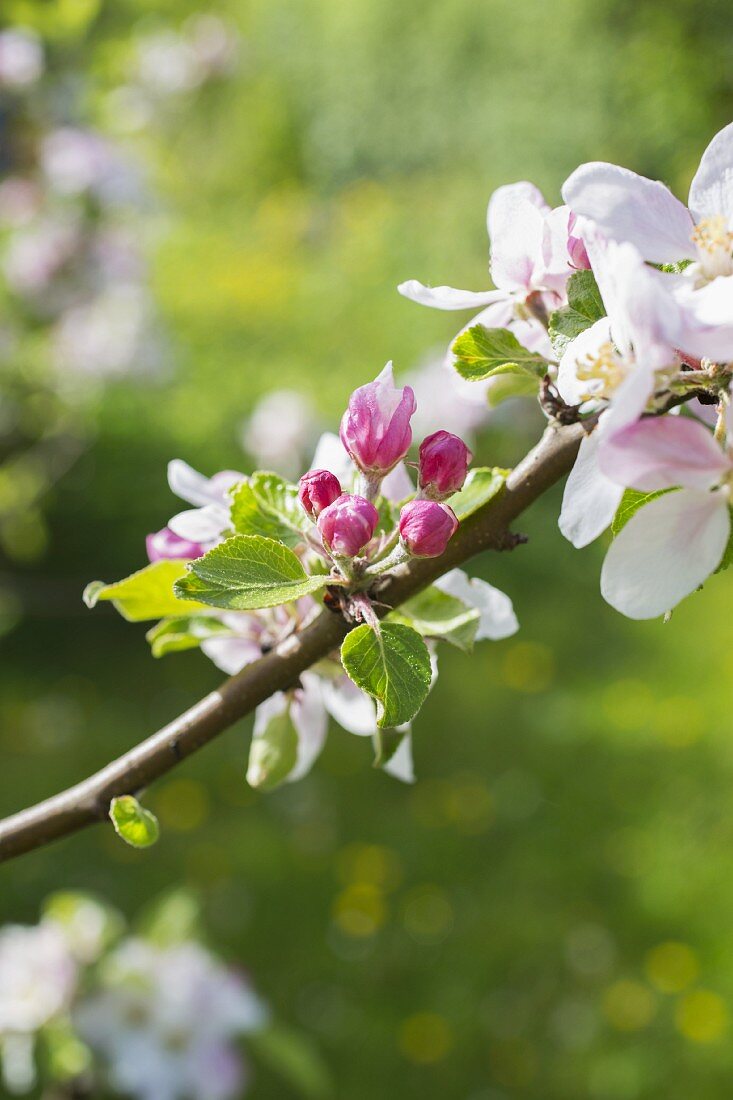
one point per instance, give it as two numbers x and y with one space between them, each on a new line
714 242
603 372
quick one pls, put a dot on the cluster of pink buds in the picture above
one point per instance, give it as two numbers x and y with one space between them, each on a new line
377 434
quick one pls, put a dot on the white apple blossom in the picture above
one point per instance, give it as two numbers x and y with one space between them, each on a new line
207 522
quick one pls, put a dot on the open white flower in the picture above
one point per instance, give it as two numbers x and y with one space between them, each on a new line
207 522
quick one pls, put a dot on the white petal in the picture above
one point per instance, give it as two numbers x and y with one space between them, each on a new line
628 207
401 765
447 297
495 607
309 718
628 400
231 654
516 224
190 485
331 455
350 707
711 191
586 345
397 484
200 524
664 552
590 500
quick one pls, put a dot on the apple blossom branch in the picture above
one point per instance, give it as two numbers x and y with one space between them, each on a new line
88 801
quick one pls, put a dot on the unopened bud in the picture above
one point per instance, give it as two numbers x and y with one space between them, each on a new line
317 489
444 462
347 525
426 527
375 428
165 545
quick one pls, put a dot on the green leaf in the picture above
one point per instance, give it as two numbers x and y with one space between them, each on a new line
184 632
393 666
248 572
147 594
267 505
511 385
136 825
294 1058
273 752
487 352
435 614
386 744
482 483
584 308
631 502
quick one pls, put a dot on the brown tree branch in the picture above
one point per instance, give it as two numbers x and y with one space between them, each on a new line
88 801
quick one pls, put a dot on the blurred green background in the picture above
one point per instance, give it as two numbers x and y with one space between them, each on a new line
547 914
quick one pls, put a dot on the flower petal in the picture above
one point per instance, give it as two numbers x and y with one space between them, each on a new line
711 191
590 500
664 552
309 718
200 524
400 766
628 207
397 484
496 609
586 345
350 707
663 453
447 297
516 224
231 654
190 485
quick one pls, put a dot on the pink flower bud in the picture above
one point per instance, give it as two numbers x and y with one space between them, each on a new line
444 462
347 525
317 489
164 545
375 428
426 527
576 247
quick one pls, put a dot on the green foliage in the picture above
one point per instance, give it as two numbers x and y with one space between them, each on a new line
482 483
585 307
631 502
507 386
489 352
386 744
184 632
435 614
267 505
147 594
293 1058
273 752
393 666
137 826
248 572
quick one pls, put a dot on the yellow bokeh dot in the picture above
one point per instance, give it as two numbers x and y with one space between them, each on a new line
701 1016
369 863
628 1005
467 804
359 911
182 804
671 966
528 667
425 1038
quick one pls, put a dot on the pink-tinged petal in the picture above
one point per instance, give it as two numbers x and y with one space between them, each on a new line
200 524
706 318
231 654
644 313
665 552
310 720
590 500
711 191
628 207
194 488
350 707
662 453
447 297
585 346
516 223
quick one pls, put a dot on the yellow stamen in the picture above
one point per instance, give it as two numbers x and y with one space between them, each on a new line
605 371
